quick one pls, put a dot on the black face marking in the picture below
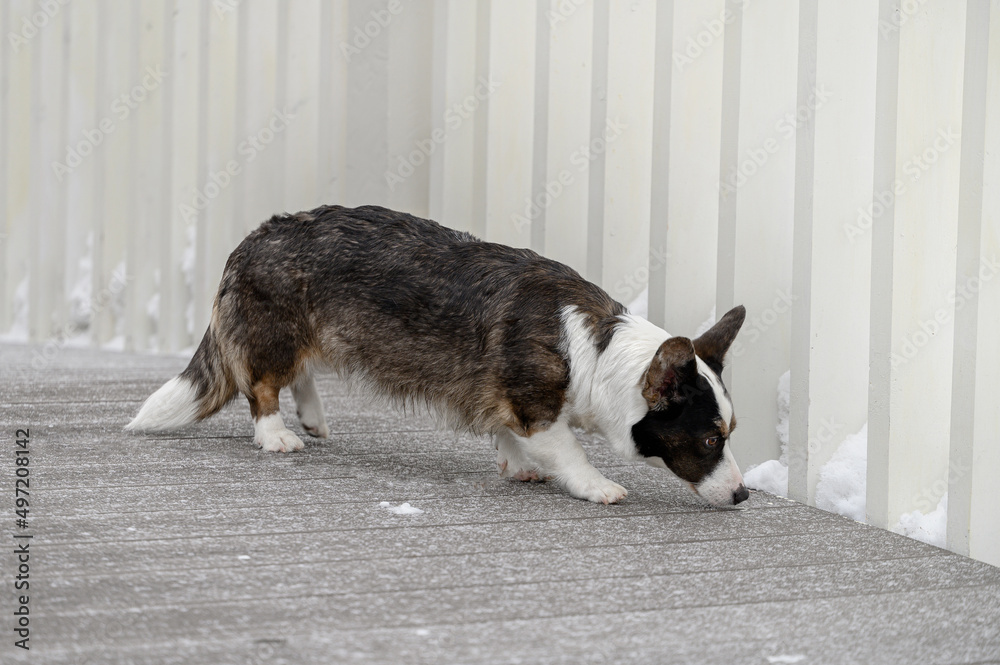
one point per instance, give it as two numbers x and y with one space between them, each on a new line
678 434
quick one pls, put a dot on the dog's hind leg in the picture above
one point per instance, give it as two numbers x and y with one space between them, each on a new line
556 452
511 463
308 406
270 432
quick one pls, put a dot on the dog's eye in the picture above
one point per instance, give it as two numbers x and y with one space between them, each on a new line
712 441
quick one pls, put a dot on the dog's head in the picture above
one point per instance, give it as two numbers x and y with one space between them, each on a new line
690 414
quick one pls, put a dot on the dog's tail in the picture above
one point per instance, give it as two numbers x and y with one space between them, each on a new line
196 393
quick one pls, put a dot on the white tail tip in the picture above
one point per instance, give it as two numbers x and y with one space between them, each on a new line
174 405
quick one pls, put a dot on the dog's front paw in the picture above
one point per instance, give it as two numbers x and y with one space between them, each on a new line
597 489
279 441
319 430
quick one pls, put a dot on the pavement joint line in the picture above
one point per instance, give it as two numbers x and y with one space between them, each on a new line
384 528
271 599
539 492
207 483
535 491
665 543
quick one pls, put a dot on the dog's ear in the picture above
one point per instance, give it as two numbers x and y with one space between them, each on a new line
715 342
673 367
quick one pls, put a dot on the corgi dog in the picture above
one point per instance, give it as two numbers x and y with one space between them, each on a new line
499 340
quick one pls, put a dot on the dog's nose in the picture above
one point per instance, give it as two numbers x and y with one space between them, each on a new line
741 494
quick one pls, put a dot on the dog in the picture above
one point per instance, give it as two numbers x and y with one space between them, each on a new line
502 341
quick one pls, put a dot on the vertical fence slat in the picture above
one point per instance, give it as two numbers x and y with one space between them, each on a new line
46 284
367 114
409 128
690 247
302 100
331 155
83 114
258 147
880 343
976 370
454 111
168 295
659 207
5 230
481 121
626 139
221 163
799 458
984 525
539 164
832 261
763 175
510 116
145 229
911 465
598 120
17 65
570 31
118 68
180 179
729 154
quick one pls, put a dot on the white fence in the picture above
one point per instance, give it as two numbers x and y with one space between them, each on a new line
820 161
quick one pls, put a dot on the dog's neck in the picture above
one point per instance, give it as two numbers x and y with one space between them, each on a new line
605 388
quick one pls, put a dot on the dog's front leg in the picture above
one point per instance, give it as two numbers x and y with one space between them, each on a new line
556 452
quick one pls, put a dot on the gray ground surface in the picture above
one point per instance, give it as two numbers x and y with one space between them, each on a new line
198 548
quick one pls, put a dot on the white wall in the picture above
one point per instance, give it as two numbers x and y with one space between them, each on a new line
717 151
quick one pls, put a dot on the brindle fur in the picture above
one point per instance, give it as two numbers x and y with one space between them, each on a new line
417 311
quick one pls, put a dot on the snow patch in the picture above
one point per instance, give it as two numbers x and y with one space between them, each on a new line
401 509
79 297
18 332
771 476
842 480
930 528
784 412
